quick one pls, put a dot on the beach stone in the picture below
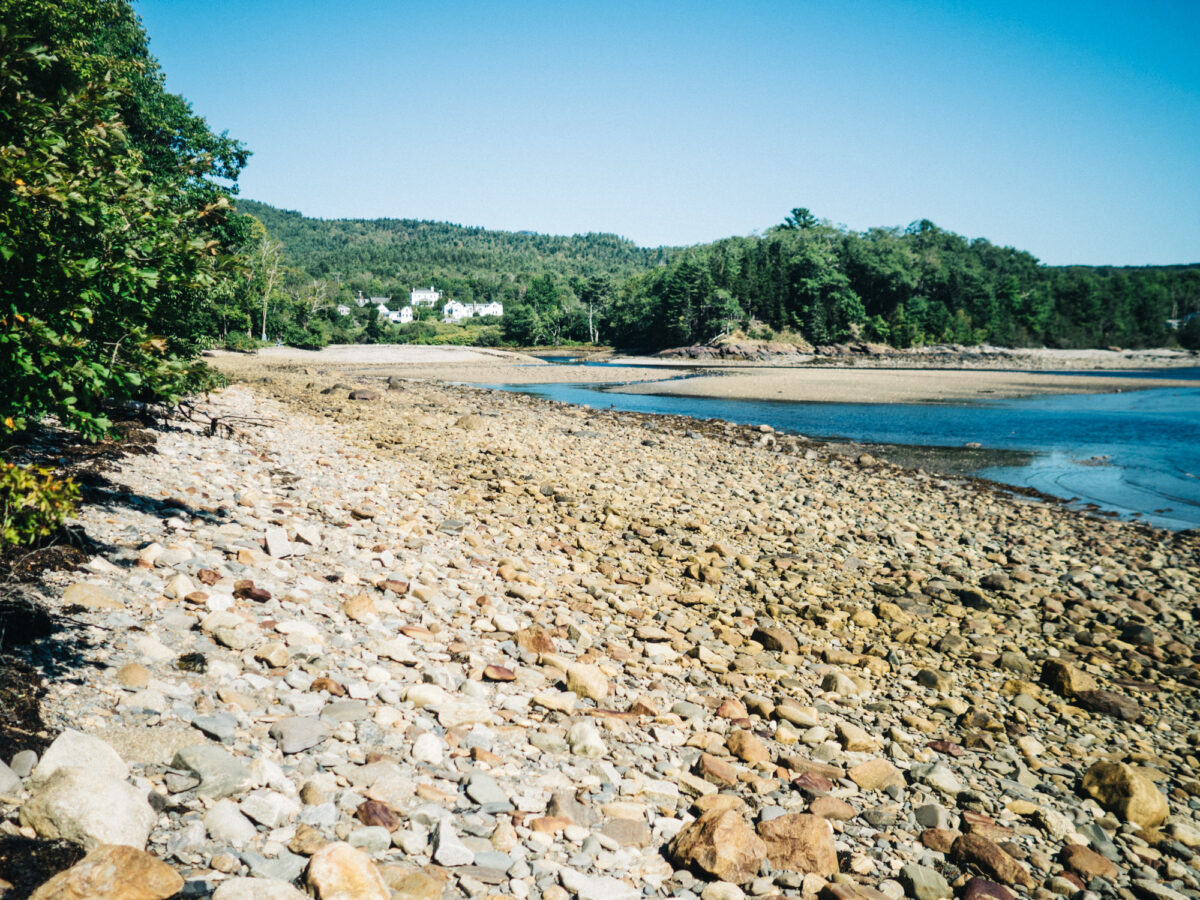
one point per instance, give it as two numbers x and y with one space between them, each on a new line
722 890
849 890
1087 863
798 842
587 681
1127 793
1065 679
832 808
225 823
627 832
974 849
74 748
596 887
257 889
924 883
855 739
448 848
748 748
113 872
220 773
298 733
775 639
133 675
875 774
978 888
89 808
91 596
722 844
340 872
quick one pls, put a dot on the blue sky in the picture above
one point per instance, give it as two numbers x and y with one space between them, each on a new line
1071 130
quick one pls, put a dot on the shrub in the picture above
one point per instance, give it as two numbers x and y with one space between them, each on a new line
33 503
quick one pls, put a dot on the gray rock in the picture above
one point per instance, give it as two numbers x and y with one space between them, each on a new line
221 726
284 867
298 733
597 887
89 808
257 889
924 883
10 782
220 774
372 839
933 815
483 789
226 824
23 763
448 849
269 808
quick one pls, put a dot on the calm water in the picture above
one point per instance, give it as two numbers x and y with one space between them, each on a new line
1132 453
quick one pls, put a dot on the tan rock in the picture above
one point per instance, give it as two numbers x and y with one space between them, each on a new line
587 681
1126 792
340 872
411 884
113 872
722 844
91 596
798 842
274 654
133 675
746 746
1065 679
832 808
855 739
360 608
875 774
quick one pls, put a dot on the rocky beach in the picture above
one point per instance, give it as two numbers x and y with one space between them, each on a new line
361 634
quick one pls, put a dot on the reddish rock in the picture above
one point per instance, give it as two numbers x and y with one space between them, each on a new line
974 849
1087 863
775 639
732 709
981 889
534 640
499 673
851 891
372 812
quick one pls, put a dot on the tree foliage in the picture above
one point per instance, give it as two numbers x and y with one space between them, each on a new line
115 231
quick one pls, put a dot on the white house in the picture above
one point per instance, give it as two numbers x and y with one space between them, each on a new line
406 315
456 312
343 309
361 301
384 312
495 308
424 296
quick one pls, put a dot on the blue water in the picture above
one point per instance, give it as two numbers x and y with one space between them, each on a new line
1135 453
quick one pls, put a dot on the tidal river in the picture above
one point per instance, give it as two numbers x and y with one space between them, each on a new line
1135 453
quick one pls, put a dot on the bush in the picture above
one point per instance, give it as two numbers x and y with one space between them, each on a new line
241 343
33 503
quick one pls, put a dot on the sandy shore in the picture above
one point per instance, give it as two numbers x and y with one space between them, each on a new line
824 383
853 385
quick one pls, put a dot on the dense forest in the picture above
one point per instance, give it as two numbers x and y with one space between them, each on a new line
803 278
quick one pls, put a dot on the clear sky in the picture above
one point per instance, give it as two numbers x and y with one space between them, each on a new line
1071 130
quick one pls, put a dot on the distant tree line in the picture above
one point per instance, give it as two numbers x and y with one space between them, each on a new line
824 284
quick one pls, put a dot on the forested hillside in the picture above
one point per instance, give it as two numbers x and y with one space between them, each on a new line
390 255
823 284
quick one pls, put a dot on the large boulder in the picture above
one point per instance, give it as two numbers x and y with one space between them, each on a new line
721 844
1127 793
113 872
89 808
340 872
74 748
798 842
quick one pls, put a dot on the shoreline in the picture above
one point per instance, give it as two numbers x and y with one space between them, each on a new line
793 383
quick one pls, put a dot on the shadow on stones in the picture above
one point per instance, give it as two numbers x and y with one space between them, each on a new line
28 864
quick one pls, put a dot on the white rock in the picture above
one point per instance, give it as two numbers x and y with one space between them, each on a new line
225 823
257 889
428 748
89 808
74 748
